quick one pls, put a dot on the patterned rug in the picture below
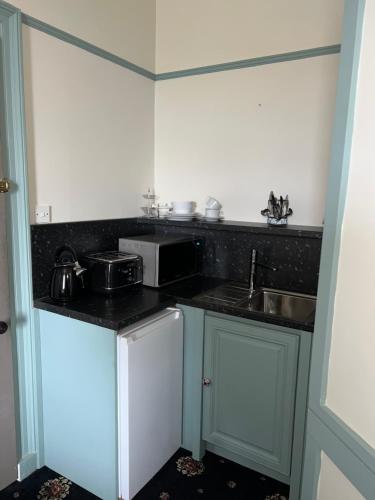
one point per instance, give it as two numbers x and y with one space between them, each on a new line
215 478
182 478
45 484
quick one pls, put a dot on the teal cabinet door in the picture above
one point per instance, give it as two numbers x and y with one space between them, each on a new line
79 370
249 392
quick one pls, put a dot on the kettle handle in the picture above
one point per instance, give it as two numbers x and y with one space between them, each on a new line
66 248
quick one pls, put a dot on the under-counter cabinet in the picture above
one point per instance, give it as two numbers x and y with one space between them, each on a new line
244 396
248 402
249 391
112 401
79 394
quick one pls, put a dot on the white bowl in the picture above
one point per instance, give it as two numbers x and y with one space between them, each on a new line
212 203
183 207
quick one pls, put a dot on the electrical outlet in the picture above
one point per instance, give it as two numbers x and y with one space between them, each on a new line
42 214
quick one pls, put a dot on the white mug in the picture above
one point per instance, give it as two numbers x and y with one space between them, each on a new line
213 213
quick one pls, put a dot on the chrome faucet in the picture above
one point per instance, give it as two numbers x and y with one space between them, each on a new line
253 266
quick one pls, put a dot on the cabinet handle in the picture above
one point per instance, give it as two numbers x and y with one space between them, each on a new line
206 381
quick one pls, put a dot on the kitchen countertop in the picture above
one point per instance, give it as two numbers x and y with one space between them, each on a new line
137 303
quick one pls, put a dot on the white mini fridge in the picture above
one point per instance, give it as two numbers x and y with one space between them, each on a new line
150 364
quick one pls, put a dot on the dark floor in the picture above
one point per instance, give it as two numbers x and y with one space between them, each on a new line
181 478
45 484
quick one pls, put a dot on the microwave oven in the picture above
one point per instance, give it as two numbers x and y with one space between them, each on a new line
166 258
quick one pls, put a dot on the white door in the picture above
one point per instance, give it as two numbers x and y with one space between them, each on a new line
8 454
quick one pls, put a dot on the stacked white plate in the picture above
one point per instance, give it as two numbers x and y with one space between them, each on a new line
212 219
182 217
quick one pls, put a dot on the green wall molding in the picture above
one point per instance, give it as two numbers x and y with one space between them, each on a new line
32 22
82 44
321 438
353 441
250 63
24 331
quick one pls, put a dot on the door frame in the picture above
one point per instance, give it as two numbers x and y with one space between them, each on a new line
25 341
326 432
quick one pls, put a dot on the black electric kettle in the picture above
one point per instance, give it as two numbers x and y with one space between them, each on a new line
66 276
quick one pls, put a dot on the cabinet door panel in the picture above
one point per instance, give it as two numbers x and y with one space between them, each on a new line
249 405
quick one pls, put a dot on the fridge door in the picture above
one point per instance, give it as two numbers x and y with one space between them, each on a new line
150 357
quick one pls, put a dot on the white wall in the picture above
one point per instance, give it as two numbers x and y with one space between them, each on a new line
351 379
333 484
195 33
233 135
126 27
237 134
89 132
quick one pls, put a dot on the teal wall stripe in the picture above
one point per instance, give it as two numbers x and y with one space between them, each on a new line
249 63
350 463
353 441
32 22
78 42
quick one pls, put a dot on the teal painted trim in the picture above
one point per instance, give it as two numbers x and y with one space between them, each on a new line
39 25
361 476
300 415
312 464
325 431
336 195
250 63
351 440
27 465
38 391
192 380
82 44
18 232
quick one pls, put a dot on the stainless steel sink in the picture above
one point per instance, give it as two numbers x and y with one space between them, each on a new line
296 306
290 305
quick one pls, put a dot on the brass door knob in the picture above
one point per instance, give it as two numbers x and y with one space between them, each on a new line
4 185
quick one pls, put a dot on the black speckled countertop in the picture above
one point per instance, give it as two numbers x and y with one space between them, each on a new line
120 311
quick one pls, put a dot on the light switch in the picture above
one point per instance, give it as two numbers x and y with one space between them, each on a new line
42 214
